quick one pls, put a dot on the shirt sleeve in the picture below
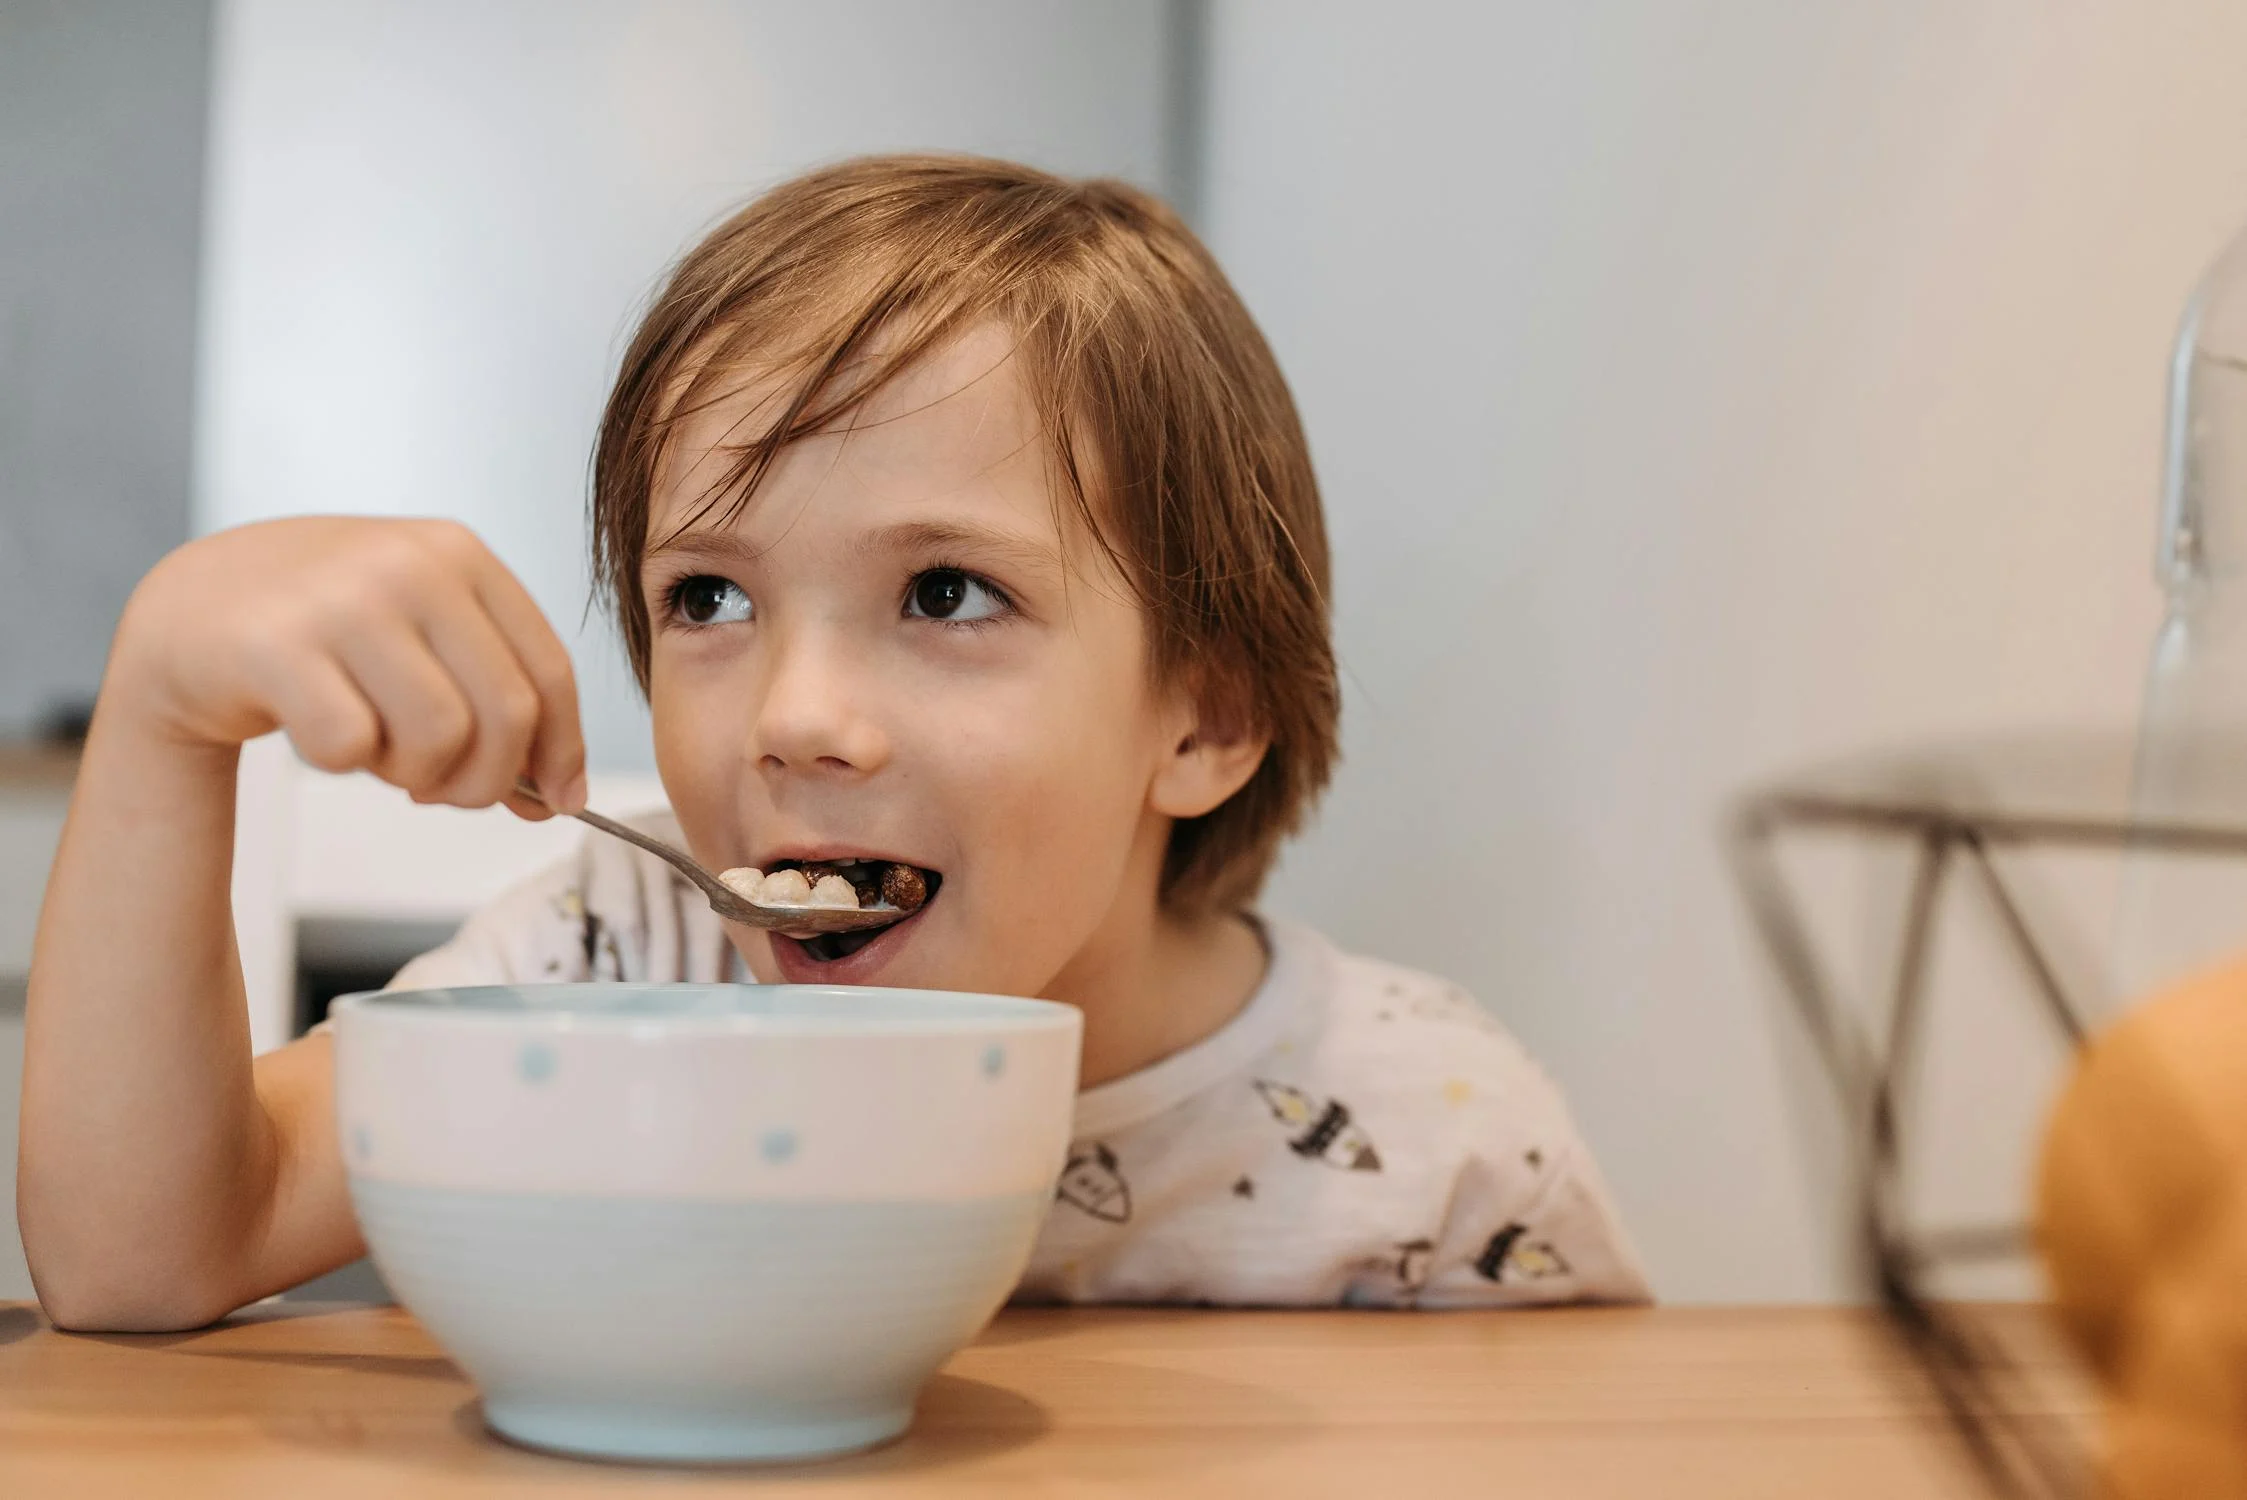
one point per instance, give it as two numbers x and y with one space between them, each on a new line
1530 1219
1564 1243
540 931
1506 1206
609 912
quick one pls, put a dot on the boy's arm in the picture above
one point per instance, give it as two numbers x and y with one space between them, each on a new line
153 1154
164 1178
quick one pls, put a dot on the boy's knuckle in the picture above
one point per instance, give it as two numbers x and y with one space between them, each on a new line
433 739
405 569
449 542
336 742
518 711
416 767
352 598
557 683
450 728
375 578
482 787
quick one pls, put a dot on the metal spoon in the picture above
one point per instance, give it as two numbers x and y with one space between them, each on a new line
796 921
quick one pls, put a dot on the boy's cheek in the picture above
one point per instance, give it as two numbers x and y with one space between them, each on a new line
698 746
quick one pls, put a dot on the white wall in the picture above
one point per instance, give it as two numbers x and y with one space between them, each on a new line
1700 388
430 224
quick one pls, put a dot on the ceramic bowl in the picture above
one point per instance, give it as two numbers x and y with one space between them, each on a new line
702 1222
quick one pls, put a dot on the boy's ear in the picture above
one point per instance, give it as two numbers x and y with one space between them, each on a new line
1212 753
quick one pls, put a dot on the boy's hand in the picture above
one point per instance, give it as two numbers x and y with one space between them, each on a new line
398 647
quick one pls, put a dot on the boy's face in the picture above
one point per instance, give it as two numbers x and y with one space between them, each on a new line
906 650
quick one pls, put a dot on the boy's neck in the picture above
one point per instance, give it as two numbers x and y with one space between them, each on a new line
1153 984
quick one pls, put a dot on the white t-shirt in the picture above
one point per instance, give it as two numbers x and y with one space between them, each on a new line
1358 1134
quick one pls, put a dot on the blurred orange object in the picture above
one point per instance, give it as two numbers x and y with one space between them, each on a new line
2142 1220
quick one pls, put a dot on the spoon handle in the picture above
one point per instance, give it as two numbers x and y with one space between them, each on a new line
676 859
724 900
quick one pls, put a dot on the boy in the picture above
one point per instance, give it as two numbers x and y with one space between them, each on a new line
956 516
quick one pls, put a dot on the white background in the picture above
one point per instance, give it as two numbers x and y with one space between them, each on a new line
1699 389
430 225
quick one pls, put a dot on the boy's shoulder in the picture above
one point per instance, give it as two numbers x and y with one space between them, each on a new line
1374 991
1362 1132
1401 1027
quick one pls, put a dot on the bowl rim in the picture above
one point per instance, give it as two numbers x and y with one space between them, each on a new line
991 1013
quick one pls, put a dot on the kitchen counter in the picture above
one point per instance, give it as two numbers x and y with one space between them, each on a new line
295 1400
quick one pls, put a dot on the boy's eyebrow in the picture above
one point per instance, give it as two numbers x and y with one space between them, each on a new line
716 544
706 543
985 541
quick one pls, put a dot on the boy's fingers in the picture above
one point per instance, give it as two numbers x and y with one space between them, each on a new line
324 714
557 755
529 809
505 706
427 725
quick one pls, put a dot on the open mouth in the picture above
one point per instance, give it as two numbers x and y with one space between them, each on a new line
906 889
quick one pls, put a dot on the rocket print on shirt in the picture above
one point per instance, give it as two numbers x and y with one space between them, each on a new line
1414 1258
1327 1133
1510 1259
1403 1269
1092 1182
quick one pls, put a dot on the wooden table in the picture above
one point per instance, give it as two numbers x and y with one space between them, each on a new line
307 1400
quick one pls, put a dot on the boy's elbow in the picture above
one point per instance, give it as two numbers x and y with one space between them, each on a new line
92 1304
89 1289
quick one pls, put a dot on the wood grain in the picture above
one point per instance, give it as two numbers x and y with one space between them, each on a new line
306 1400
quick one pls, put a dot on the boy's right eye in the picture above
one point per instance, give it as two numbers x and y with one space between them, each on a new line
706 599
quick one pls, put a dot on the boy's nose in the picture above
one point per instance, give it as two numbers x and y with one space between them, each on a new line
811 720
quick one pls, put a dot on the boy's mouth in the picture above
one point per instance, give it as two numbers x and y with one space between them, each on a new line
910 889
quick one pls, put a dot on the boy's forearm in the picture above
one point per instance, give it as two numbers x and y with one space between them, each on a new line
146 1163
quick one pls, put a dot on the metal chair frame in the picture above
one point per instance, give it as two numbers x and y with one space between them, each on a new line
2020 1456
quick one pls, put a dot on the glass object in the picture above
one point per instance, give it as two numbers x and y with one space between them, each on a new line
2179 914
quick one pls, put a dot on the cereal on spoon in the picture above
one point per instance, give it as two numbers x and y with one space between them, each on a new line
877 885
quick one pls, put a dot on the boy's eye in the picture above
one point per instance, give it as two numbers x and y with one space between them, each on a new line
950 594
709 600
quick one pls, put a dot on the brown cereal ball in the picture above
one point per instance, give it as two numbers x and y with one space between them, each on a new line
904 888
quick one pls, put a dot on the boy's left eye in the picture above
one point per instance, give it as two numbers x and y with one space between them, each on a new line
951 594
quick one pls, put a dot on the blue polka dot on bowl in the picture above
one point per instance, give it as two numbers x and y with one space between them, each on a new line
535 1063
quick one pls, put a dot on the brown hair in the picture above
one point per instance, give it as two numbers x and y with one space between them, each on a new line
1152 383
